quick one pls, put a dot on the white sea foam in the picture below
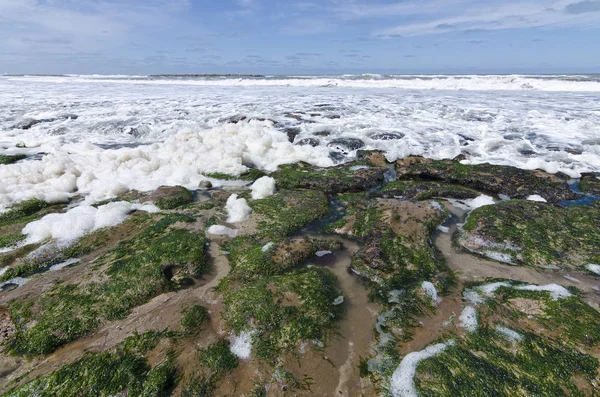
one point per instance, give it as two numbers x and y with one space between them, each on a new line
402 382
468 319
594 268
431 292
263 187
537 197
321 254
267 246
64 264
555 290
219 230
165 132
511 335
241 345
480 201
237 209
79 221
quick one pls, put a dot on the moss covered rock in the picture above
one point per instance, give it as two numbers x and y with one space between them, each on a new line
170 197
353 177
10 159
590 183
425 190
532 233
487 178
127 276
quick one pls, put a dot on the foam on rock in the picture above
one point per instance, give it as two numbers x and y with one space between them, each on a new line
431 292
237 209
241 345
468 319
263 187
537 197
79 221
219 230
402 383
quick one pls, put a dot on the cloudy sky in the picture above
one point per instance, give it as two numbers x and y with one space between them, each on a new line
286 36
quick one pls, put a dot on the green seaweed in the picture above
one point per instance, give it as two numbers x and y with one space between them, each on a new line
6 159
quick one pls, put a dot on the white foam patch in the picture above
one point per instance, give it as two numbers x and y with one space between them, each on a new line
263 187
237 209
536 197
338 301
402 382
64 264
480 201
267 246
511 335
555 290
443 229
79 221
594 268
473 297
219 230
490 289
321 254
431 292
468 319
241 345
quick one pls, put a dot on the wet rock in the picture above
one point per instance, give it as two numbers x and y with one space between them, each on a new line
346 145
233 119
293 116
322 133
374 158
387 136
572 149
333 116
590 183
487 178
425 190
395 235
329 180
170 197
308 141
535 234
292 132
205 185
26 124
592 142
337 157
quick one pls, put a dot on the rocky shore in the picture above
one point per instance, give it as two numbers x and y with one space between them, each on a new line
418 277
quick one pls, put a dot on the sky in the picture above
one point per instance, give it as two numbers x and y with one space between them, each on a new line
299 37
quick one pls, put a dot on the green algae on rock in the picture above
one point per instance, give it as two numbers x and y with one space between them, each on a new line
534 234
10 159
514 349
285 310
590 183
170 197
124 369
426 190
129 275
487 178
352 177
288 211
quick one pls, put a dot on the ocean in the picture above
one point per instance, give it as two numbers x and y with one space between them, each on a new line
97 137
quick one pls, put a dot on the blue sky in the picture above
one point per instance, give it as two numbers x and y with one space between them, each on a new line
285 36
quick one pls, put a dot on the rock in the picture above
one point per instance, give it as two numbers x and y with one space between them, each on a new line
233 119
329 180
572 149
590 183
487 178
7 327
337 157
26 124
292 132
308 141
293 116
170 197
333 116
375 158
387 136
425 190
205 185
346 145
535 234
322 133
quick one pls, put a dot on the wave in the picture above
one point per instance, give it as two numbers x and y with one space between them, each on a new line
568 83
